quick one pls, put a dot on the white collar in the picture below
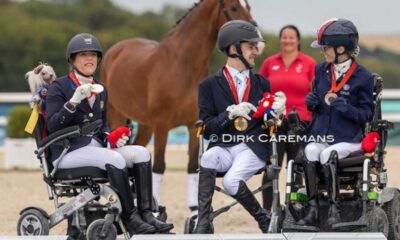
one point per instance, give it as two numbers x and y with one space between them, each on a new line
341 68
82 79
233 71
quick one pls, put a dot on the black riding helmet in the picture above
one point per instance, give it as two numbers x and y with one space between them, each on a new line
235 32
337 32
83 42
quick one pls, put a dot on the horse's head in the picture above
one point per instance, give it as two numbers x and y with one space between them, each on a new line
234 9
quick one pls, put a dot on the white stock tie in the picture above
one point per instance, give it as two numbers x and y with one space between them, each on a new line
240 86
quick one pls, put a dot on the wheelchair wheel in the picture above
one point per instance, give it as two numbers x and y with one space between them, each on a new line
94 230
33 222
190 224
392 210
277 221
378 221
162 214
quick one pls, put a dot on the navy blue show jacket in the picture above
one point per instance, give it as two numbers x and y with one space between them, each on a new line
343 126
215 96
58 117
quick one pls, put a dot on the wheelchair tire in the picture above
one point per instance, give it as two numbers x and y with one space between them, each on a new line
378 221
33 222
94 230
190 224
392 209
276 222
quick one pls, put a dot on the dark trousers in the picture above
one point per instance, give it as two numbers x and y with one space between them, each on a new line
291 150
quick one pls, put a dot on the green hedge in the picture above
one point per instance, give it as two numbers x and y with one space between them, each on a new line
17 119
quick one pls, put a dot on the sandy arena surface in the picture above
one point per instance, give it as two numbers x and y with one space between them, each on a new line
21 189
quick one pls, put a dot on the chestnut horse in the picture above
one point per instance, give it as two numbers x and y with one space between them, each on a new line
156 83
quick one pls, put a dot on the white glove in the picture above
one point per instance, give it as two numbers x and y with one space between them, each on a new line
279 104
241 110
122 141
81 93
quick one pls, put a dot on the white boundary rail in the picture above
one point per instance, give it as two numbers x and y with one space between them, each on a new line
284 236
23 97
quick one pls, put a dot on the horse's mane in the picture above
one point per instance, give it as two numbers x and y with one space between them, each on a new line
187 13
182 18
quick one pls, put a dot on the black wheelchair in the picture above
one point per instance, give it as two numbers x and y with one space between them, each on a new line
272 171
94 208
366 203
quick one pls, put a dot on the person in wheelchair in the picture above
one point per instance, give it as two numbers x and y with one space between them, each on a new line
78 98
226 100
342 103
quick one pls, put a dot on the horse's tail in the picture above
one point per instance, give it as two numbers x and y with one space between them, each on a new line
143 135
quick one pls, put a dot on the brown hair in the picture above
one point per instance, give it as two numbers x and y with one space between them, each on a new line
295 29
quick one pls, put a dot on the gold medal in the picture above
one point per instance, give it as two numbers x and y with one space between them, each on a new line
241 124
330 97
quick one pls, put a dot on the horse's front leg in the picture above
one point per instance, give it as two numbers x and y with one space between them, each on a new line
193 177
160 142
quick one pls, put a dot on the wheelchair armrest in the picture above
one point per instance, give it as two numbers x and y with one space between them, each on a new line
91 128
381 125
69 132
356 154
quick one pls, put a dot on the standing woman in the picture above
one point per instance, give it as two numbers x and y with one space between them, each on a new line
290 71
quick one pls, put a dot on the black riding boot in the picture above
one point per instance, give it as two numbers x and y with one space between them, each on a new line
144 191
130 214
332 187
206 192
250 203
310 171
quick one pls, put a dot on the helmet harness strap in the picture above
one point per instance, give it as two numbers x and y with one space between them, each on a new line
338 54
239 55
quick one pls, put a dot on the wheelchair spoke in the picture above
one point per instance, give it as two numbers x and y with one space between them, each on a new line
25 223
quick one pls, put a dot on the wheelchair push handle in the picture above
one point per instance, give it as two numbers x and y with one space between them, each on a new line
293 118
200 127
296 126
199 123
272 122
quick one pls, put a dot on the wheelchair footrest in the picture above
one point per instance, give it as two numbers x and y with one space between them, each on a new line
350 226
293 227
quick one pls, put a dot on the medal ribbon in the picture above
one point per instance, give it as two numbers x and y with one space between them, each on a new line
233 87
335 88
76 82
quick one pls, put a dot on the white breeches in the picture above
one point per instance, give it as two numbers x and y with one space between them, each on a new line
95 155
239 162
321 151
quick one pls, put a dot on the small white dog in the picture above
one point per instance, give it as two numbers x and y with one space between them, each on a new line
39 79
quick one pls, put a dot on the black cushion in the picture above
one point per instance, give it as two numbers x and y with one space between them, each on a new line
77 173
222 174
354 159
